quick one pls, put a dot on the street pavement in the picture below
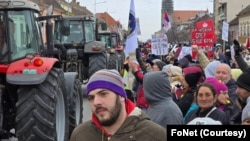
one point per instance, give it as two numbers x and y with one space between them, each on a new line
86 110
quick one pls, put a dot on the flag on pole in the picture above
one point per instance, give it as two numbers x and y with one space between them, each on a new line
166 22
131 41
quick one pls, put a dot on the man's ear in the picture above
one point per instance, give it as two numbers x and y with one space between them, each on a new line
122 98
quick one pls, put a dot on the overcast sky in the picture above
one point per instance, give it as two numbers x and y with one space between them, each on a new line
148 11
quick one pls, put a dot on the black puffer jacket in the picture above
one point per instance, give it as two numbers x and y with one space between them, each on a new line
217 115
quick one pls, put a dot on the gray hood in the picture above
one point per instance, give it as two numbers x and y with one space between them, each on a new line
211 67
156 87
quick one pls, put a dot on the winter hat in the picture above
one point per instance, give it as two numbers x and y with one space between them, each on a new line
244 80
192 78
156 60
160 64
204 121
197 73
166 68
210 68
107 79
151 58
183 62
246 110
219 86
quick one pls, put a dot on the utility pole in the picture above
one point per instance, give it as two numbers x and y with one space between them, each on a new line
98 3
95 9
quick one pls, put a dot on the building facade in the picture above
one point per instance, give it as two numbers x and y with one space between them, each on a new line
226 10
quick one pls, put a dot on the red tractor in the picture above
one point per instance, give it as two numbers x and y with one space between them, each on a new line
38 101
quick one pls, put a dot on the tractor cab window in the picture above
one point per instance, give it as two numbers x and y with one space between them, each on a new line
22 33
105 38
76 33
3 45
113 41
89 31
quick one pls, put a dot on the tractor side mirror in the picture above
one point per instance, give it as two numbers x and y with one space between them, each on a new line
65 27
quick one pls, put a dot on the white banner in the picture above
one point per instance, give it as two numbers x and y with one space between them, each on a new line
225 29
185 51
159 44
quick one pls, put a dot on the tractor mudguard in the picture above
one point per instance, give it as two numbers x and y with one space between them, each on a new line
26 71
69 82
75 100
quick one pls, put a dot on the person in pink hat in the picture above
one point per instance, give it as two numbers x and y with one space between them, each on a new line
223 101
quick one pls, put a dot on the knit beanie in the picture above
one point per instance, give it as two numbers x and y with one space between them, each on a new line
192 79
107 79
183 62
244 81
160 64
219 86
196 71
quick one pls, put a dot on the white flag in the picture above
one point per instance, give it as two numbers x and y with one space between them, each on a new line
131 41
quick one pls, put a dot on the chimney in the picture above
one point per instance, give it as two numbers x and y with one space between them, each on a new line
74 1
78 3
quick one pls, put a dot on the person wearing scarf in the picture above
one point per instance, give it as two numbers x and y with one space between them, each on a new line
114 116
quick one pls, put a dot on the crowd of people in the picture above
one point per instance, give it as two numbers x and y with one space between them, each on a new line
168 90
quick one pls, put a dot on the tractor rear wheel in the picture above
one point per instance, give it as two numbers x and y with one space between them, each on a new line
113 61
97 62
42 112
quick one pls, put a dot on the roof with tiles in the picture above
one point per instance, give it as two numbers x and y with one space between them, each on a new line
106 18
180 16
84 11
48 3
77 9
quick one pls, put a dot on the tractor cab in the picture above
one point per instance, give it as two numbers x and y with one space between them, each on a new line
81 32
110 38
19 32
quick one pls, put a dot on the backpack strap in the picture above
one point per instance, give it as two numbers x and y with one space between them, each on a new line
210 111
